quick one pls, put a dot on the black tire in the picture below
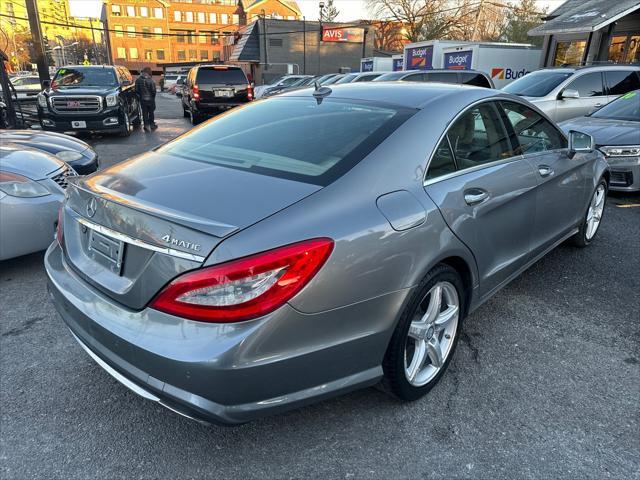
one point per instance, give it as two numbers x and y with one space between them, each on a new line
580 239
125 129
194 116
137 123
395 381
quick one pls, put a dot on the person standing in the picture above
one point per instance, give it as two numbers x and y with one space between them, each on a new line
146 90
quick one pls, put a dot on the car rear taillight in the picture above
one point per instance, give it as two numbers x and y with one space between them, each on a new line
60 226
246 288
249 92
196 92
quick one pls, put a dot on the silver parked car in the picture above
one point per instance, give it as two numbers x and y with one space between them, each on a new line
316 242
564 93
32 185
616 129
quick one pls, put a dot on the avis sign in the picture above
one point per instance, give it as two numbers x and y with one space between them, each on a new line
351 35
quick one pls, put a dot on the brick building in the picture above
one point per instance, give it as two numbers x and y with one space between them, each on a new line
151 32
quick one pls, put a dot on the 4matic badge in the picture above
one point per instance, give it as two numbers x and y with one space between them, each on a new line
196 247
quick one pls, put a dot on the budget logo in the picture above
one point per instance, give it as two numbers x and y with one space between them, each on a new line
497 73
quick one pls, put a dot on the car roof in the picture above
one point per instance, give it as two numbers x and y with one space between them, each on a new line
578 68
403 94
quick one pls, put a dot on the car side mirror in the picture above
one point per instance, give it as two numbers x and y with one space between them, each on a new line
580 143
570 93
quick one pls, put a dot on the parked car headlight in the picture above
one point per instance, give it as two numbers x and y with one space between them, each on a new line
112 100
42 100
19 186
621 151
68 155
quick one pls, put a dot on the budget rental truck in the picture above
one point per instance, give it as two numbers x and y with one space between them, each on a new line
503 62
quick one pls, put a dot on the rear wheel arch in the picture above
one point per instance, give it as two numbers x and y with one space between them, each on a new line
461 266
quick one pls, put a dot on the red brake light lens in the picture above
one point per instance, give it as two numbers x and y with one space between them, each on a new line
196 92
246 288
249 92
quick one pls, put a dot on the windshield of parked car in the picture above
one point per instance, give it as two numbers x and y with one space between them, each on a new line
626 107
537 84
85 77
347 78
390 76
293 137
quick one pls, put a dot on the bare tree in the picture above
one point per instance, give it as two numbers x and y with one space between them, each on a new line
422 19
389 35
329 12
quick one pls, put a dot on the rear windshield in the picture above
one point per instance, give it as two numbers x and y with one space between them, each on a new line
537 84
295 138
85 77
227 76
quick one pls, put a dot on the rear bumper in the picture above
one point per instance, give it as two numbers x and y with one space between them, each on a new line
215 107
225 373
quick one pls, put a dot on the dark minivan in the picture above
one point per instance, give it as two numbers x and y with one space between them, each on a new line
90 98
209 89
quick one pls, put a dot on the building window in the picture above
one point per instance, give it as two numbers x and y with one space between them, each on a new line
177 16
158 13
148 54
133 53
202 38
224 18
624 49
157 32
204 55
201 17
144 11
216 55
191 38
236 19
160 54
116 11
290 17
188 17
121 53
131 31
570 52
131 11
118 29
146 32
215 38
193 54
275 42
181 56
212 18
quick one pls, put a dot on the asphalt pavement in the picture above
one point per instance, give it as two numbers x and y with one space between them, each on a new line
545 383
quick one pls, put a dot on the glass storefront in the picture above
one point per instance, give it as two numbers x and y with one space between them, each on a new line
625 48
569 52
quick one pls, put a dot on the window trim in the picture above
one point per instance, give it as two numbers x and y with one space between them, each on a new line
426 182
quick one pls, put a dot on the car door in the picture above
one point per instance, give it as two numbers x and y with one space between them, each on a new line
485 193
561 181
592 95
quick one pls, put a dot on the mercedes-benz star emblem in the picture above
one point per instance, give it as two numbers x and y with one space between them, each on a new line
92 206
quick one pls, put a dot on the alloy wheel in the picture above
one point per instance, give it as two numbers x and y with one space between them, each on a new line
594 214
431 334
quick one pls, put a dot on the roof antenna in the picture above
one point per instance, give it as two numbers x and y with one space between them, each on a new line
320 92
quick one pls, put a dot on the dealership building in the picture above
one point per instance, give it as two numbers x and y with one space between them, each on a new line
269 48
583 32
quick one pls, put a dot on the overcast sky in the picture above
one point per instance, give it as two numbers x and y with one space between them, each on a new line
349 9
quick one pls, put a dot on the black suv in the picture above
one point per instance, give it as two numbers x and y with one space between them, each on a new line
464 77
209 89
90 98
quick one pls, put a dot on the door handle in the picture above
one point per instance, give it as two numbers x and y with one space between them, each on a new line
545 170
474 196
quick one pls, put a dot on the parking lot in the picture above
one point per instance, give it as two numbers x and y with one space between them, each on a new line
544 384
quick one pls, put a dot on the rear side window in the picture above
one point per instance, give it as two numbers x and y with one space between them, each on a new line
295 138
621 82
442 161
478 137
475 79
416 77
588 85
367 78
442 77
225 76
533 131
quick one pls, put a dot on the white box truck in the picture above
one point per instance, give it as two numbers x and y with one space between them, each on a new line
375 64
503 62
397 62
426 55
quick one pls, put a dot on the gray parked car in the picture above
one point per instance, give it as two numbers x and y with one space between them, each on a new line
32 185
564 93
315 243
616 129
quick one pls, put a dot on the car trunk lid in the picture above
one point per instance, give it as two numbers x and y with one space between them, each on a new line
222 85
132 228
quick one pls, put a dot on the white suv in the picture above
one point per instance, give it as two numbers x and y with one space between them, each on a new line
564 93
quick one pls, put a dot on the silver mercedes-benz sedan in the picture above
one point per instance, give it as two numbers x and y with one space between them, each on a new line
315 243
